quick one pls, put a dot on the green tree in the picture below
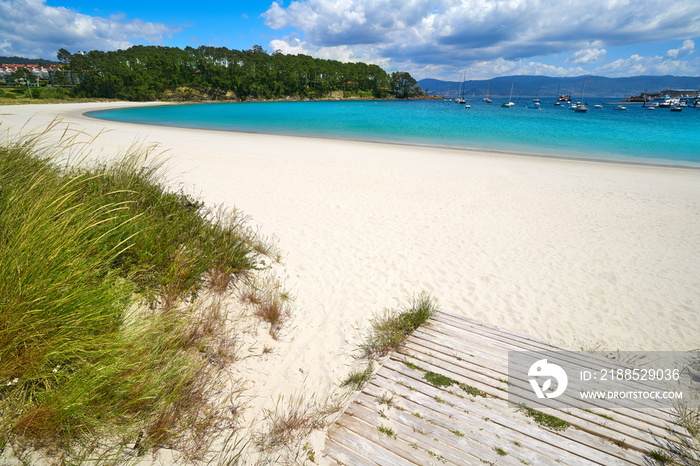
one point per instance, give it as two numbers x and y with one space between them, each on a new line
258 49
63 56
404 86
151 72
59 78
23 77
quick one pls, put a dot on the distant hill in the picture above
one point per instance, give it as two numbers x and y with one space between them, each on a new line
26 61
545 86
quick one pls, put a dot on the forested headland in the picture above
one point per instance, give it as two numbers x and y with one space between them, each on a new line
145 73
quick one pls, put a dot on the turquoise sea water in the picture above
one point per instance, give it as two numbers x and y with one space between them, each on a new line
635 135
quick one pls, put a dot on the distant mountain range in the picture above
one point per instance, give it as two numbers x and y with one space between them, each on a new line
545 86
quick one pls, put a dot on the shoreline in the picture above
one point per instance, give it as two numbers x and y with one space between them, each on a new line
659 163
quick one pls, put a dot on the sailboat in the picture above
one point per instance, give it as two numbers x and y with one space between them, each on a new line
582 108
510 102
487 99
461 99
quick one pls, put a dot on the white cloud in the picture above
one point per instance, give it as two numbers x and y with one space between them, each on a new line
637 65
416 34
489 68
293 45
543 69
502 67
685 49
587 56
33 29
275 16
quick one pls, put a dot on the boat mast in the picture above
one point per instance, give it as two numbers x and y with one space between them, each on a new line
461 80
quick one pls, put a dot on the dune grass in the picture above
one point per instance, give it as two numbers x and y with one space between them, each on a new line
387 333
288 425
107 342
269 301
390 329
682 445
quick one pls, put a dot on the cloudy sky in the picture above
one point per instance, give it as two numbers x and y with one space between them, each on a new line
428 38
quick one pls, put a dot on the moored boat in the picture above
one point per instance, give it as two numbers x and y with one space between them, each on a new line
580 108
487 99
510 101
461 99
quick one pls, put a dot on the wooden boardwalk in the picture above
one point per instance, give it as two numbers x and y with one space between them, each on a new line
400 418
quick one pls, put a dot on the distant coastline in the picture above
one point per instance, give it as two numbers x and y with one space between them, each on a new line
548 86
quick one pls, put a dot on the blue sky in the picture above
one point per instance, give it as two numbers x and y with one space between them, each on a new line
428 38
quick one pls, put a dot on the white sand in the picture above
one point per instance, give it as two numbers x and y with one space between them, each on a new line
572 252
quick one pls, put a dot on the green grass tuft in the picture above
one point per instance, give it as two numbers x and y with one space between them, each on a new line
387 430
473 391
439 380
386 399
684 446
270 302
390 330
659 456
357 379
546 420
102 334
410 365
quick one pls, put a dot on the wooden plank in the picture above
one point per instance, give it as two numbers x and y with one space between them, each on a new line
479 418
661 418
400 452
364 446
457 428
337 451
497 356
531 344
473 378
620 428
408 431
456 320
577 441
477 441
627 422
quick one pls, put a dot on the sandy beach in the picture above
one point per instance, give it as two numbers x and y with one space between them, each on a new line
574 252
